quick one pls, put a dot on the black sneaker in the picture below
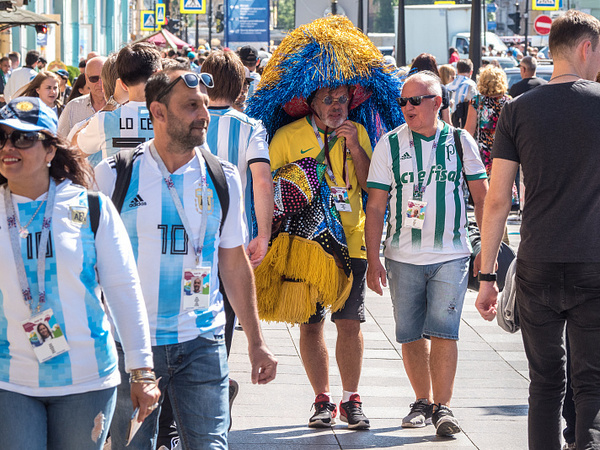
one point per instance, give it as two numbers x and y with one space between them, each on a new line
445 422
325 413
420 411
234 388
351 412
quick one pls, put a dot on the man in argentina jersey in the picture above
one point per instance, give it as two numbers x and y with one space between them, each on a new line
427 248
237 138
128 126
188 344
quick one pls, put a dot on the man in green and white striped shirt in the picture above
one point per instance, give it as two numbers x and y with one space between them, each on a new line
427 249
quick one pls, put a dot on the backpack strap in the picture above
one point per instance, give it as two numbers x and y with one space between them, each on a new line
94 210
124 168
217 174
459 147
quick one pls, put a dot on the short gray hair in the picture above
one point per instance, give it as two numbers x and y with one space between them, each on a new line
529 63
430 79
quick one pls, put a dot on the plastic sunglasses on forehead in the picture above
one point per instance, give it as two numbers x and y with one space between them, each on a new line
328 100
191 80
21 139
415 101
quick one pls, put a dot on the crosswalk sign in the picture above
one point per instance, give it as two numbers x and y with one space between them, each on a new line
148 22
192 6
160 15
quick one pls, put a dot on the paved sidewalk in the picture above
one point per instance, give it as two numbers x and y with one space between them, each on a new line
490 394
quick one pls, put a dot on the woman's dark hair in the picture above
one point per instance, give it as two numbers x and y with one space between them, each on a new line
68 163
424 61
79 84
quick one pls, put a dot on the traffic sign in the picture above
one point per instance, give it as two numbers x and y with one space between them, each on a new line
160 15
148 22
192 6
542 25
545 5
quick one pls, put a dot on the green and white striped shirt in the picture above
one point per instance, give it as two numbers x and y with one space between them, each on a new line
444 233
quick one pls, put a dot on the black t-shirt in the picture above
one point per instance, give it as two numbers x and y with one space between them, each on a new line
525 85
553 133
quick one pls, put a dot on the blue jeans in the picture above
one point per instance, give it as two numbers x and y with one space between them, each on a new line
550 295
196 376
66 422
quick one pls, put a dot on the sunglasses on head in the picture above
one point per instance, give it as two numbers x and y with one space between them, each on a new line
21 139
415 101
94 79
328 100
191 80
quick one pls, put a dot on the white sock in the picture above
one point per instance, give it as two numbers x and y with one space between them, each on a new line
346 395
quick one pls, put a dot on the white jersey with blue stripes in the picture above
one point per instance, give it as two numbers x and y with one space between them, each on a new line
160 242
75 265
235 137
110 131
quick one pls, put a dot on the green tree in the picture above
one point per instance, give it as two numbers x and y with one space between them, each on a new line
384 19
285 14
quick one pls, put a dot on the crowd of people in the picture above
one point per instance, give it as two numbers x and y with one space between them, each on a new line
162 197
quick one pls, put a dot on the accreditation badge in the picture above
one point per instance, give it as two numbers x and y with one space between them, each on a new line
45 336
415 214
196 288
340 198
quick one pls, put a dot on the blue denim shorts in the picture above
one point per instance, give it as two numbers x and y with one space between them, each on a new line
427 299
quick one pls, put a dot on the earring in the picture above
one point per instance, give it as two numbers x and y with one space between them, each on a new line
49 164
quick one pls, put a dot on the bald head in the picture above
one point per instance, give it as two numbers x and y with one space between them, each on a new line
93 74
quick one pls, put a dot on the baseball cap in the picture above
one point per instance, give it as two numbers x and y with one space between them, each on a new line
29 114
248 54
62 72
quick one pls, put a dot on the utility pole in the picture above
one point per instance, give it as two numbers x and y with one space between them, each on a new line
526 16
360 17
334 7
210 3
475 46
401 36
197 31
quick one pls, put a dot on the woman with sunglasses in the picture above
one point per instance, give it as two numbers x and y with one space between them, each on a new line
60 393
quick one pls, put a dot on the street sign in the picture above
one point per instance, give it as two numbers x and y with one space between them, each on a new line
148 22
542 25
160 15
247 22
192 6
545 5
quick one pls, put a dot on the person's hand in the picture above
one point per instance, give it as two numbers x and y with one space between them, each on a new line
376 276
257 249
487 300
144 396
264 364
347 130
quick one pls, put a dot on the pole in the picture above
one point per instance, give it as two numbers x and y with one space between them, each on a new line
360 16
526 16
197 31
210 23
333 7
401 36
475 47
154 9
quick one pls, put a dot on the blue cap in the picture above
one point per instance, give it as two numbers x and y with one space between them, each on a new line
62 73
29 114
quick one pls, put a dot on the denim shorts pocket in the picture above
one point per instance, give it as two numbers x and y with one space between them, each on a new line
586 294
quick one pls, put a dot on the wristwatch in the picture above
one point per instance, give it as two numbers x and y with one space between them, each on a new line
486 276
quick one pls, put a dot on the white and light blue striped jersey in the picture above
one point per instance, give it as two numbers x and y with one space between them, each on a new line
75 265
110 131
444 233
160 243
235 137
462 89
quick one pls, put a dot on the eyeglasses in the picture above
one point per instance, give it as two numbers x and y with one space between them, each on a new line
21 139
94 79
328 100
415 101
191 80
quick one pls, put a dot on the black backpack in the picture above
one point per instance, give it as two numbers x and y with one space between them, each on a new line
459 116
124 167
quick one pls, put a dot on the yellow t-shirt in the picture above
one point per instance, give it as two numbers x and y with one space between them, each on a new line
297 140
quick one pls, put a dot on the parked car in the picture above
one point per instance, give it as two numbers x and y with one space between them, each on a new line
505 61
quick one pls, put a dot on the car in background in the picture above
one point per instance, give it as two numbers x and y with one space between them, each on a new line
514 73
504 61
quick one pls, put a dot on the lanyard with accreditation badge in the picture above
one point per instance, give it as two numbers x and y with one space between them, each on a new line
196 281
416 207
52 341
339 193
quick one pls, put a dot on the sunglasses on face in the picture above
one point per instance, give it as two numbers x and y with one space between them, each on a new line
94 79
328 100
415 101
191 80
21 139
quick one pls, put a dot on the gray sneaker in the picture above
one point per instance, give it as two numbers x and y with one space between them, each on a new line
445 422
234 388
420 411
